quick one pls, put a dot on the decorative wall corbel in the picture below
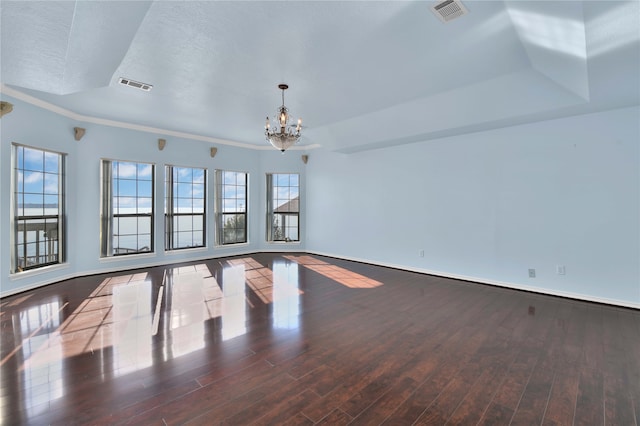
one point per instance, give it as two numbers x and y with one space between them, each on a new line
161 144
305 158
213 151
78 133
5 108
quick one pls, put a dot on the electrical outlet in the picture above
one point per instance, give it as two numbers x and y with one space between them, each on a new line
561 270
421 253
532 273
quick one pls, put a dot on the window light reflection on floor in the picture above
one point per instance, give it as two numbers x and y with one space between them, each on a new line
260 279
341 275
121 312
93 326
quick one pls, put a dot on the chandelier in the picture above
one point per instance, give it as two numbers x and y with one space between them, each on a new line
283 135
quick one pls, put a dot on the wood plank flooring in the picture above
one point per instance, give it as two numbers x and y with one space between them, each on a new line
293 339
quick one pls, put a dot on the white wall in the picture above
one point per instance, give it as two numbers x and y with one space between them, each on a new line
488 206
40 128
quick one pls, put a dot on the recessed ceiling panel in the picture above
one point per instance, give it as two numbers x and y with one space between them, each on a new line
215 65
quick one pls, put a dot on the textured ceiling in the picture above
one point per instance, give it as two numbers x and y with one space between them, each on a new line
362 75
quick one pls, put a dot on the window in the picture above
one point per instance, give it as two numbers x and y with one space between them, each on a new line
127 208
283 207
184 190
38 208
231 207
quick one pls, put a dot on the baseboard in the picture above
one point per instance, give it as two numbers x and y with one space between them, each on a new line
165 261
116 268
513 286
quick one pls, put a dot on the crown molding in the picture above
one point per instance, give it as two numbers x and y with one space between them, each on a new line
137 127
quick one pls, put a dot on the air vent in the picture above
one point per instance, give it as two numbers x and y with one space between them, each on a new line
138 85
449 10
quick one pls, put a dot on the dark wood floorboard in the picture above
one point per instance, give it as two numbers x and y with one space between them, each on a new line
292 339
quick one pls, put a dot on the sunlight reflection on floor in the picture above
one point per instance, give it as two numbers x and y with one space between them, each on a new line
336 273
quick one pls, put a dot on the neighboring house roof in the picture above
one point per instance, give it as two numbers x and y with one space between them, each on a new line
289 206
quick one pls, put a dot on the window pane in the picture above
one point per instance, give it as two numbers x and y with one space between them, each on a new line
37 205
50 183
144 242
198 205
184 190
229 235
229 178
51 162
231 190
198 223
126 225
33 159
144 224
184 205
198 176
51 204
145 171
122 170
282 206
125 188
33 182
229 205
145 205
198 191
184 174
187 197
282 180
294 192
185 223
34 204
185 239
284 192
292 233
145 188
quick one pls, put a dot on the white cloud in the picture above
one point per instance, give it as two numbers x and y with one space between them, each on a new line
33 177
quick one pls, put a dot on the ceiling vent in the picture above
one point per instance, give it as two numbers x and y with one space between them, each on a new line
449 10
138 85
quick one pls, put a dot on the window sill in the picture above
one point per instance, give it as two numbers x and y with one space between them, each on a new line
185 250
38 271
231 246
110 259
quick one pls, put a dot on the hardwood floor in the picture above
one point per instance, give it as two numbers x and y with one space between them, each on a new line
273 339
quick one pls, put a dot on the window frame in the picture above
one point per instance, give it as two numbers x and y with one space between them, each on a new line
55 248
170 198
220 207
272 193
108 206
